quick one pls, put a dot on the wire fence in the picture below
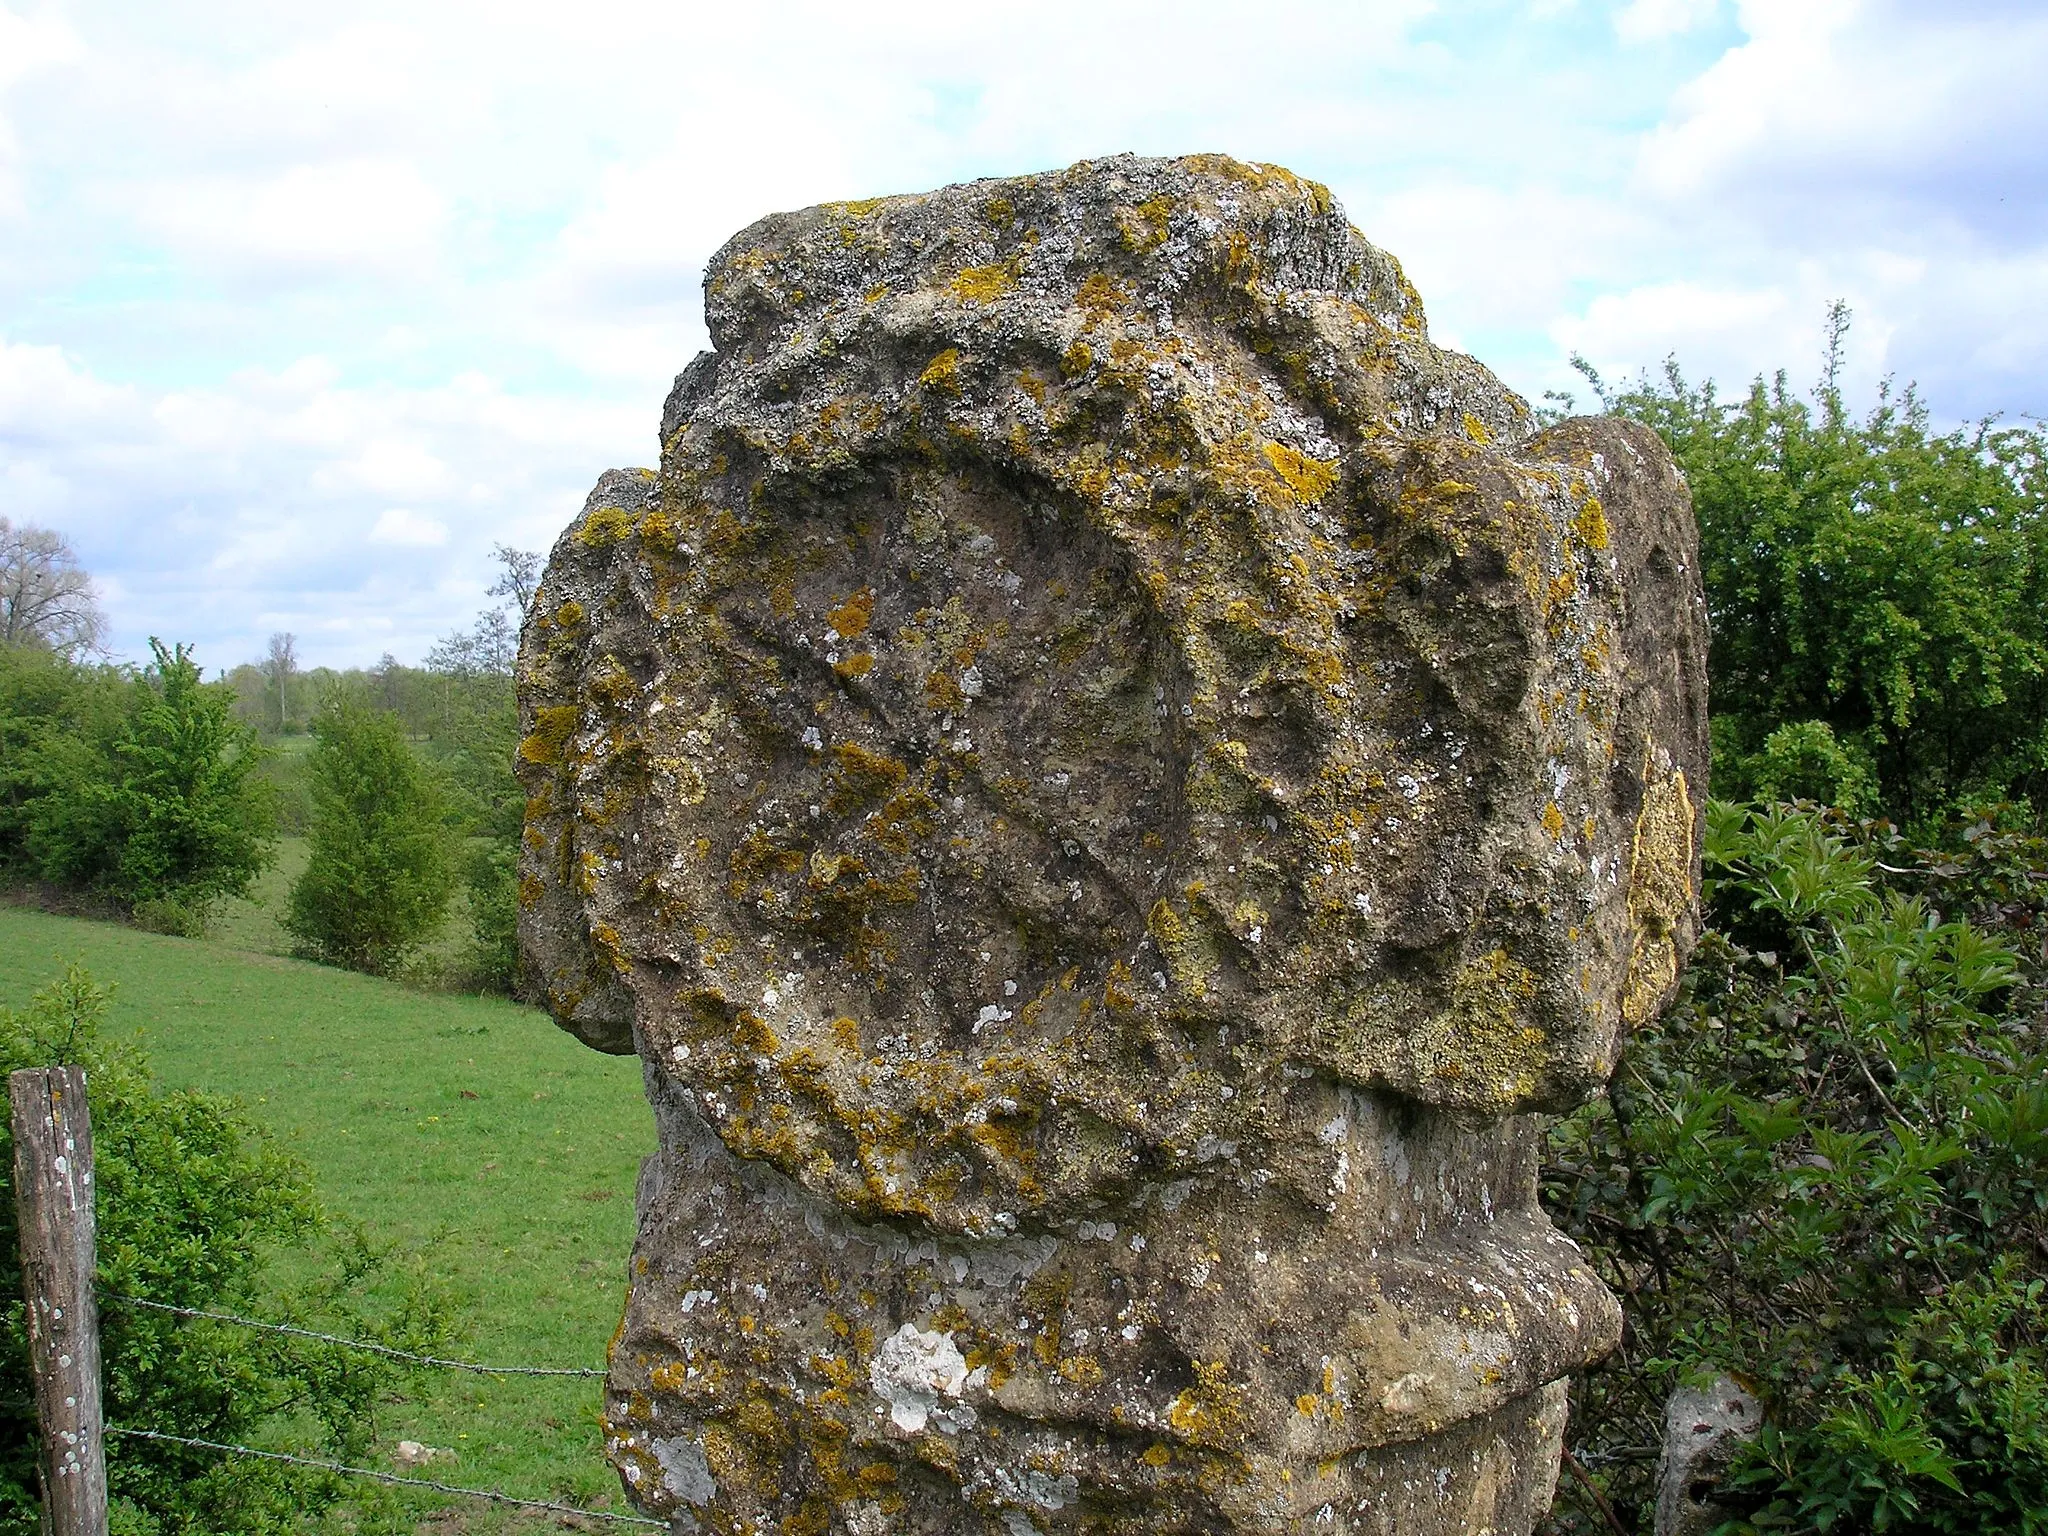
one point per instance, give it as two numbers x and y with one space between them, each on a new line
362 1344
374 1474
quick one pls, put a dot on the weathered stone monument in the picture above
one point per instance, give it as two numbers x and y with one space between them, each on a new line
1107 780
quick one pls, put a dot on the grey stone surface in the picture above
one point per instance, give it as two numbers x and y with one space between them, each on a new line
1704 1427
1107 779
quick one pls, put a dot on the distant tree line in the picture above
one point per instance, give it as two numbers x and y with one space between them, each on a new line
153 792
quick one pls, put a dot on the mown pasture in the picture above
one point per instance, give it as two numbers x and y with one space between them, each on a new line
467 1128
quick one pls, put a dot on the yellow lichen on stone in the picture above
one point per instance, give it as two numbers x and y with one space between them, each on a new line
658 532
1591 523
1082 1370
943 372
607 525
1144 227
850 619
685 779
1309 480
1212 1411
553 725
1482 1050
1660 874
1102 295
860 778
1189 953
1267 179
984 285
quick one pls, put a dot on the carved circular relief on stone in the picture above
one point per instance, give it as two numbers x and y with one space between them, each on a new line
1105 762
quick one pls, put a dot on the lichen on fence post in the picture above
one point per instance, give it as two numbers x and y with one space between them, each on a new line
53 1193
1107 779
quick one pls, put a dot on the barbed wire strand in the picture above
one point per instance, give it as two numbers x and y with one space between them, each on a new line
386 1477
375 1349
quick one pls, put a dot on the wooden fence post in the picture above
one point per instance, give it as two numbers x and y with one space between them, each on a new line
53 1196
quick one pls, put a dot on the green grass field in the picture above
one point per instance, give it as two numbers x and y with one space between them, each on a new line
469 1128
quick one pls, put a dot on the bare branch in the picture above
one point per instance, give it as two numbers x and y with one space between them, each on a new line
520 578
47 600
280 664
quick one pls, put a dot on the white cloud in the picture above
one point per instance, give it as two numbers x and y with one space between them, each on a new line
344 218
288 289
396 525
28 44
340 88
1643 21
45 396
1862 149
1486 257
1855 109
387 466
217 515
1963 338
1712 330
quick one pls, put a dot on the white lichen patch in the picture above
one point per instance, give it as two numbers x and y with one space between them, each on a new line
919 1376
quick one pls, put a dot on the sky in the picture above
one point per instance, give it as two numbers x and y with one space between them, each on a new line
303 308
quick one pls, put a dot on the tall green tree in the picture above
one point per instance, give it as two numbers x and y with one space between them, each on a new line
165 807
1877 589
382 863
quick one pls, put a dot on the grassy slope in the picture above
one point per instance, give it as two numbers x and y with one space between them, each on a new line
522 1193
254 924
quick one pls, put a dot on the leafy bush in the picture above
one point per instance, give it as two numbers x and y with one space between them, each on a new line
1804 761
191 1196
138 787
58 723
381 867
1826 1171
1875 577
172 917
